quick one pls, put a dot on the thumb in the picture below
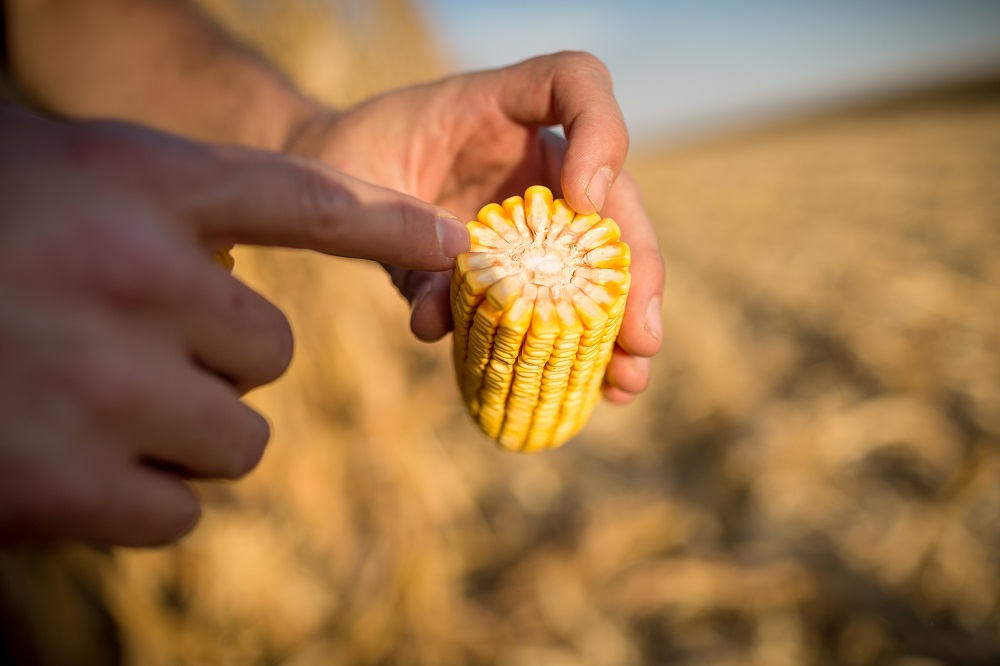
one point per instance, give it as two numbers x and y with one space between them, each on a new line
259 198
573 90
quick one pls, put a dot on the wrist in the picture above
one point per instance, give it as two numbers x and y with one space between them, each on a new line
306 123
279 119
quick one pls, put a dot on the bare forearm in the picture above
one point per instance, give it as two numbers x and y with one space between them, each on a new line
158 62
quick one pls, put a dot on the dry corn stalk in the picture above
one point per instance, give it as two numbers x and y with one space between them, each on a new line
537 304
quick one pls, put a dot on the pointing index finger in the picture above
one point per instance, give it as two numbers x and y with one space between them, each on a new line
259 198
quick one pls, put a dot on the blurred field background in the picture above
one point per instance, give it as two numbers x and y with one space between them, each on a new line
812 478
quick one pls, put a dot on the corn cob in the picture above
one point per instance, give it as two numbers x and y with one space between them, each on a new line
537 304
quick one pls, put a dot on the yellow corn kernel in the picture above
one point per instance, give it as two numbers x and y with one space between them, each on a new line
224 258
537 304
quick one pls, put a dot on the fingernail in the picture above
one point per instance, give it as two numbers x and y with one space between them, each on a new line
453 237
597 188
654 323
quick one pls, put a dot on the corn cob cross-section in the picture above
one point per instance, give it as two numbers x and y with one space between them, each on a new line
537 304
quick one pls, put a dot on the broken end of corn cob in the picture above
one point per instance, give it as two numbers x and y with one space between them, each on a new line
537 304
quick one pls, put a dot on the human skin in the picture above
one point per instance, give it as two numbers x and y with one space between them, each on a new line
115 327
477 138
124 347
460 143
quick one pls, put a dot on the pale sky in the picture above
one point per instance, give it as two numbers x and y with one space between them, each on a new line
684 68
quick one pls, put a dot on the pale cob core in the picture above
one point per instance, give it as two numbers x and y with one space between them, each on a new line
537 304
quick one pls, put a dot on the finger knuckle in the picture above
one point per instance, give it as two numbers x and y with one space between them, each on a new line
584 60
109 147
95 145
321 208
109 385
635 380
136 267
414 226
174 521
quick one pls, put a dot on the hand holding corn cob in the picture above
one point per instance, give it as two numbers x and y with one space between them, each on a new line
471 138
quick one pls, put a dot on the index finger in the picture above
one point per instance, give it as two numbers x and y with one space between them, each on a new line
260 198
572 89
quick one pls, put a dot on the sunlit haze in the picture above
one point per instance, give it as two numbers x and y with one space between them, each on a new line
686 67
